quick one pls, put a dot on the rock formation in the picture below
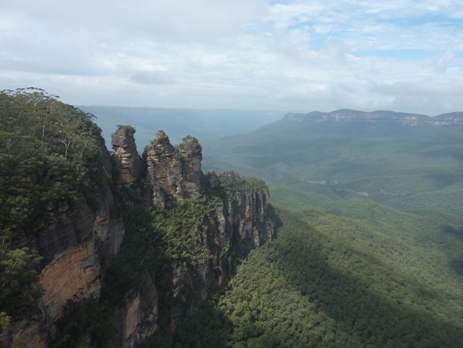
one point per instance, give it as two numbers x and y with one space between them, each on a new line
228 233
79 240
239 223
125 152
174 173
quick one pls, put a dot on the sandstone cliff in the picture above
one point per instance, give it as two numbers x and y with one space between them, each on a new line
77 241
196 229
405 119
138 319
230 217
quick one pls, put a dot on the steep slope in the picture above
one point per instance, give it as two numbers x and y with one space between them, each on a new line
329 281
67 206
56 203
201 226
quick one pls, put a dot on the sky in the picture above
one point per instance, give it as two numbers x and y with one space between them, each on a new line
293 56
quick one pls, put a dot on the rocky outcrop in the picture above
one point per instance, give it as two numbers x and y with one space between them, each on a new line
79 238
247 213
125 152
174 173
238 223
241 221
213 179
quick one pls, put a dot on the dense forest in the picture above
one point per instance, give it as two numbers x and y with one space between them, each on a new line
331 281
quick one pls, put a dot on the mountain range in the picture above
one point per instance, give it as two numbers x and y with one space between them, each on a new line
406 161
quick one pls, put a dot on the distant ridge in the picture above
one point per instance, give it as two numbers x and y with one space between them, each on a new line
409 119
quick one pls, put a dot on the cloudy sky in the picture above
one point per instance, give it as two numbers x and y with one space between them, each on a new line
297 56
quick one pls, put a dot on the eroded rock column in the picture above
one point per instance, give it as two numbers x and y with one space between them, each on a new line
125 152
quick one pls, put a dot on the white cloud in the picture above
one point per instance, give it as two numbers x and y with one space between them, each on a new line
298 55
160 20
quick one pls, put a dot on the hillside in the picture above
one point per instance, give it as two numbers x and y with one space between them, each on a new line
405 161
330 281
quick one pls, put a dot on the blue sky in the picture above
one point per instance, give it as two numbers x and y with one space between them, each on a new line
294 56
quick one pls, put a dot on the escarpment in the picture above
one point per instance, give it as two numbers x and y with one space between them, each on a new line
136 243
454 119
79 239
78 233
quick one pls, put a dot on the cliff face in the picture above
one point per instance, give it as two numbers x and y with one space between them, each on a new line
227 234
137 320
233 223
80 238
453 119
77 241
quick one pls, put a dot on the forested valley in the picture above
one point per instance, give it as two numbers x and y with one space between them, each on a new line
371 254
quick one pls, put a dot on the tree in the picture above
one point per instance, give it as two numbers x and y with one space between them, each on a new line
19 282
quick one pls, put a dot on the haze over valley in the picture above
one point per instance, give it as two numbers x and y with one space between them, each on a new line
203 123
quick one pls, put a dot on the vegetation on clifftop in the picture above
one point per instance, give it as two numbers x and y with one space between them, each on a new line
44 150
231 183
